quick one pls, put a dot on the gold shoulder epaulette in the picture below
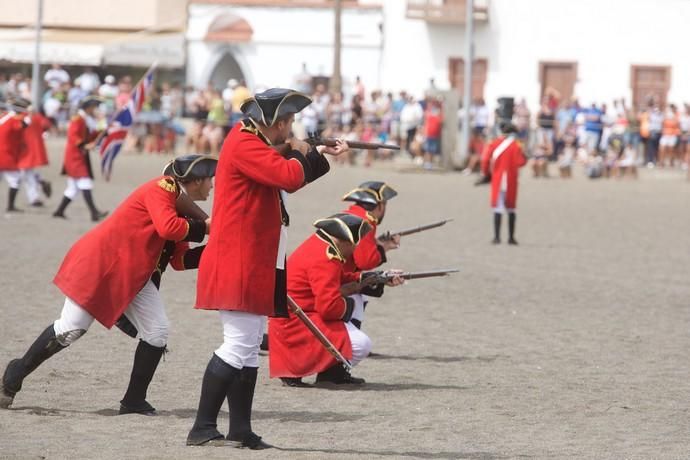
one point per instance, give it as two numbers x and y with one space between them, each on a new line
248 127
168 184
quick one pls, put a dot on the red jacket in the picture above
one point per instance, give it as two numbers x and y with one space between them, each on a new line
238 267
76 163
10 140
33 146
109 265
368 253
314 281
503 169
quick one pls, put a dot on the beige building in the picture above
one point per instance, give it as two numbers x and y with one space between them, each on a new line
128 33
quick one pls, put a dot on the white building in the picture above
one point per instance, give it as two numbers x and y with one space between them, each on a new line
597 50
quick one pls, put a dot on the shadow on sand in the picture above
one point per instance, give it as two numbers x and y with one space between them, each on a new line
438 359
390 453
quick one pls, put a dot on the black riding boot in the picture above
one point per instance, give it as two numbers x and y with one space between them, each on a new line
240 401
146 360
60 212
11 198
511 228
218 379
497 228
96 215
45 346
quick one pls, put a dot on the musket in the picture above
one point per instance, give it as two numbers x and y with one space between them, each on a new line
385 276
187 207
389 236
315 140
294 308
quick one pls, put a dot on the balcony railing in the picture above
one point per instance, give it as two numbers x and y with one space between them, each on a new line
446 11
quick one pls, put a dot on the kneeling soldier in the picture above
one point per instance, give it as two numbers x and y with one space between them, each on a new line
315 275
103 274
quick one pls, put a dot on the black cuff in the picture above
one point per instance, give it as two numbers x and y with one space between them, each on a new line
382 253
349 309
319 164
197 231
375 290
306 165
191 258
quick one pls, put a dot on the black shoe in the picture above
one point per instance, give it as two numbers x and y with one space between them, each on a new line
513 241
339 375
294 382
98 215
37 204
60 211
251 441
47 188
496 241
15 209
143 408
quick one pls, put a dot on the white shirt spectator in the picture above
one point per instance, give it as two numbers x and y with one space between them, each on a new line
89 81
411 116
56 77
480 116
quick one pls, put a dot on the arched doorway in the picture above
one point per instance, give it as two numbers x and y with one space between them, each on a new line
225 69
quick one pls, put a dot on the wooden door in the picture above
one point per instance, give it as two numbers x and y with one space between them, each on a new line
456 76
650 83
559 77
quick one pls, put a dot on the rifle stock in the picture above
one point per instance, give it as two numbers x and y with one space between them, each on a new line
187 207
285 148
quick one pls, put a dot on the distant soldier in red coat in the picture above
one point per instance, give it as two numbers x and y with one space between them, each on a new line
12 124
242 272
115 270
501 161
370 200
34 155
316 273
81 137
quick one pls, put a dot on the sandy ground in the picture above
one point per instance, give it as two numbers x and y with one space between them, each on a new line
572 345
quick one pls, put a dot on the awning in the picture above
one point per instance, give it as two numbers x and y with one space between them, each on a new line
94 48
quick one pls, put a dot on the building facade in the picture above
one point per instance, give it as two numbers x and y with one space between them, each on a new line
596 50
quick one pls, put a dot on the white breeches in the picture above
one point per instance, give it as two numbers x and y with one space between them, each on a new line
361 343
360 301
242 334
146 312
32 184
75 185
501 204
13 178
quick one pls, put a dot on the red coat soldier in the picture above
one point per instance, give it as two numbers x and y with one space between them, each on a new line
242 272
115 269
12 125
34 155
501 160
81 135
370 201
317 271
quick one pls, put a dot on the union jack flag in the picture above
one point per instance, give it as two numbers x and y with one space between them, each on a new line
119 124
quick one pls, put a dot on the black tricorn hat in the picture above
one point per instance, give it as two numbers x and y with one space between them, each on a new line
371 193
343 226
268 106
90 101
192 166
20 104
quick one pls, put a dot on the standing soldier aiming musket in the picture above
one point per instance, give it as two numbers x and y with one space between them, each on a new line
242 272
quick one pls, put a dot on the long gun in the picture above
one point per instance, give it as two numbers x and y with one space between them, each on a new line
294 308
389 236
332 142
383 277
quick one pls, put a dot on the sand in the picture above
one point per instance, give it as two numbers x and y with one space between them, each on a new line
572 345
